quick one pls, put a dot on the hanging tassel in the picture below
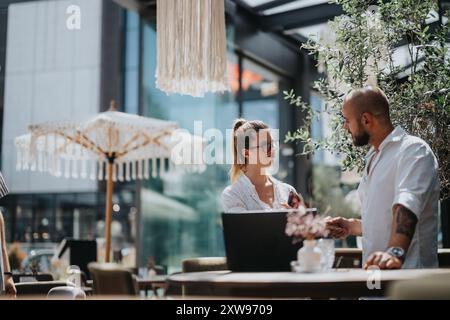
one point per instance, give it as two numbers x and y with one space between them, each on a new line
50 164
54 157
45 154
133 170
83 168
146 168
25 165
58 172
74 169
46 162
127 171
67 168
154 167
161 166
19 159
140 169
171 165
115 168
40 162
120 171
33 163
92 173
100 170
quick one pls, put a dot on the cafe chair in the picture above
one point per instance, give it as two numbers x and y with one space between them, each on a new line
32 277
38 288
432 287
112 279
444 257
204 264
201 264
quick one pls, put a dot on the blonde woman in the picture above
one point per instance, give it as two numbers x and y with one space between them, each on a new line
253 188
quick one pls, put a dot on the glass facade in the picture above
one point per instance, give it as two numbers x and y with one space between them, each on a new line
176 215
180 211
187 223
49 80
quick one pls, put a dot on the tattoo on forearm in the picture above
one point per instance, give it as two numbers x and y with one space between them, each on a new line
406 222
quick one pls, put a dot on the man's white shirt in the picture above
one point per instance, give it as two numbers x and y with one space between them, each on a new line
404 171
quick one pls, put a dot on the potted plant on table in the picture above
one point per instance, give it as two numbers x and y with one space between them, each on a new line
307 227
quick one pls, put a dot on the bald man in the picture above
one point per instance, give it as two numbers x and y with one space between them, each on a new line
399 190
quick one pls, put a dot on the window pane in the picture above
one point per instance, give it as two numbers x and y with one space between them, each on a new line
180 215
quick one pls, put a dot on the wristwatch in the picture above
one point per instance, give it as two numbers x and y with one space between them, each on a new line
397 252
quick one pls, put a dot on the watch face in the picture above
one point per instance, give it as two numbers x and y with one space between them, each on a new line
397 252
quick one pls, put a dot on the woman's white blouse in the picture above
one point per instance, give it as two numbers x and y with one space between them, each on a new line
242 195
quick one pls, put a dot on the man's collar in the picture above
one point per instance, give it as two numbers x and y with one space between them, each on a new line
396 135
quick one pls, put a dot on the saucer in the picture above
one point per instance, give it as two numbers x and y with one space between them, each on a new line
296 267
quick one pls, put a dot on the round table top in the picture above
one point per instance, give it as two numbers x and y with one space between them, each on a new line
336 275
338 282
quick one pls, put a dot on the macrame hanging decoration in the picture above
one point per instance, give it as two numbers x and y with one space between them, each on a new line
191 47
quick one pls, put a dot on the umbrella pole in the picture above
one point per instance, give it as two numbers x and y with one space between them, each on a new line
109 192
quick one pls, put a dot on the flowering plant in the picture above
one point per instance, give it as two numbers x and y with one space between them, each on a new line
303 225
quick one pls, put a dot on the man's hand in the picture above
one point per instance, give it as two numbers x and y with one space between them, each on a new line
340 228
10 288
383 260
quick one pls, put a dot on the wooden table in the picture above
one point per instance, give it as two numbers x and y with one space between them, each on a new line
338 283
159 281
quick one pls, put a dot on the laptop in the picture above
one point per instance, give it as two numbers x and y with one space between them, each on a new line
256 241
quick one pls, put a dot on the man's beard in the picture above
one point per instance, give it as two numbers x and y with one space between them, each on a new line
362 139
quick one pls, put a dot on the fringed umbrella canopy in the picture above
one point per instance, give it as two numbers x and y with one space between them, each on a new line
112 146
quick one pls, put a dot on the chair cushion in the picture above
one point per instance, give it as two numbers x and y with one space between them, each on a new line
204 264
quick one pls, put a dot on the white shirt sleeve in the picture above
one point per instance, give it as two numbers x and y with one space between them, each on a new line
3 187
232 202
416 178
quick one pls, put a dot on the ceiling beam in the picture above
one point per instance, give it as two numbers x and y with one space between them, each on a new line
244 5
301 17
129 4
145 8
271 4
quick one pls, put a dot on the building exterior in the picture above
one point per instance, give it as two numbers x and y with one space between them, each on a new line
54 68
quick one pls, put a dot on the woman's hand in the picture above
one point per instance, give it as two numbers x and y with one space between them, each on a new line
294 200
10 288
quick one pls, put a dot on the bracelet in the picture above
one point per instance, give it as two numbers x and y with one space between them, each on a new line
8 274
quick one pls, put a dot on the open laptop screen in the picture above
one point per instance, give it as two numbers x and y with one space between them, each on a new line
256 241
